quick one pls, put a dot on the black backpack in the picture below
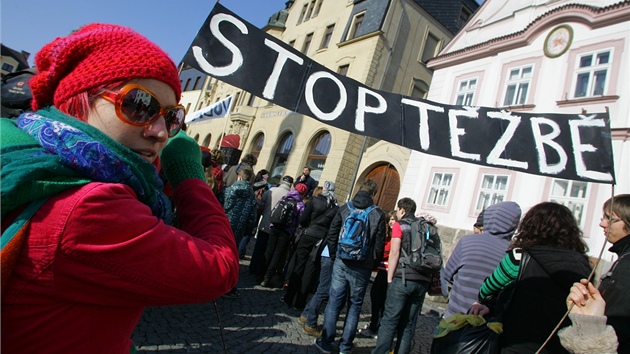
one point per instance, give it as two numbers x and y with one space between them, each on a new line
283 212
424 253
16 93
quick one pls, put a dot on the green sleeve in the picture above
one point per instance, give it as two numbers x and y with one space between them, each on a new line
502 276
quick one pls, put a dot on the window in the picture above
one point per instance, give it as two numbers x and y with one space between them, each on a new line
571 194
257 145
440 188
430 47
292 43
302 14
317 155
187 84
517 86
343 70
280 158
356 26
206 140
317 8
592 73
466 92
420 89
250 101
309 11
235 101
327 36
464 16
307 43
196 86
493 190
8 67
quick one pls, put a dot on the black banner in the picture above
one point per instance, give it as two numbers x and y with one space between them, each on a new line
568 146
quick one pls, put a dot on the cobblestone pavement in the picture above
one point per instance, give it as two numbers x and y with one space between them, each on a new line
258 322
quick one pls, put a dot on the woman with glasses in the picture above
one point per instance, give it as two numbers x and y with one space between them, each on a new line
615 284
87 241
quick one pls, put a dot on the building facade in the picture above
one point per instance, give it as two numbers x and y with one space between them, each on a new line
530 56
381 43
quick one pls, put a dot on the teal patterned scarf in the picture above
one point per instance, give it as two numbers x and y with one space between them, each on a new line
51 152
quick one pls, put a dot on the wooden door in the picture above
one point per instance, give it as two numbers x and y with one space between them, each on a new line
388 181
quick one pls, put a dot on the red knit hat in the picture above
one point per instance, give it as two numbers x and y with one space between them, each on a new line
95 56
301 188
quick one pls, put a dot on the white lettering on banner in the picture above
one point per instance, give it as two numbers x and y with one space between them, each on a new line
552 133
237 56
359 122
272 82
424 119
456 132
494 157
579 148
541 140
310 100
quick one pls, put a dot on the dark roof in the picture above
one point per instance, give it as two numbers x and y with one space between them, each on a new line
19 56
447 11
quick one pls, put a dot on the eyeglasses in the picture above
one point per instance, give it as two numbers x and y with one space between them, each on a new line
611 220
136 105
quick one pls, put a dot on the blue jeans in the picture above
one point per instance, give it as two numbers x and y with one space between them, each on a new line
345 277
311 310
242 247
402 307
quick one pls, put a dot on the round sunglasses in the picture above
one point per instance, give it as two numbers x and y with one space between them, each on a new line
136 105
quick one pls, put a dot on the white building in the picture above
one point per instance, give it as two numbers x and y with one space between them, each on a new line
548 56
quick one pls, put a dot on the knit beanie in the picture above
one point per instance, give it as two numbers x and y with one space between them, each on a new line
95 56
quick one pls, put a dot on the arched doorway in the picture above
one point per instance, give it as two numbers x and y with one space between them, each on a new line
388 181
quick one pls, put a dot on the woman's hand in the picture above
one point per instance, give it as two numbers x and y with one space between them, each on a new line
479 309
586 299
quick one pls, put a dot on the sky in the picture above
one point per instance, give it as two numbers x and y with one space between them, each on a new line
29 24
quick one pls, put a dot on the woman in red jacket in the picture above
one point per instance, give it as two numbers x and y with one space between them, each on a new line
82 169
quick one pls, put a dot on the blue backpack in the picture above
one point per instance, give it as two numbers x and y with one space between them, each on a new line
354 238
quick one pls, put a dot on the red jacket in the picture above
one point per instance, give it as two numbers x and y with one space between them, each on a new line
95 257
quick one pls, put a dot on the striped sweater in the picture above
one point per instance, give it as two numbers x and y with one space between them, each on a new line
476 256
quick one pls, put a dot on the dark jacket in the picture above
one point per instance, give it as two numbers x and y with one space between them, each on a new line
240 206
410 273
615 289
309 181
317 216
377 225
539 300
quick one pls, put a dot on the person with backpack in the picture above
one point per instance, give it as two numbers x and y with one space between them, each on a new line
408 281
284 219
258 263
356 240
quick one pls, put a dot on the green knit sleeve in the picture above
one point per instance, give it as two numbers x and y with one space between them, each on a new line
502 276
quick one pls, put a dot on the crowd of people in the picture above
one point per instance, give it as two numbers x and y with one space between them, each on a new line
108 207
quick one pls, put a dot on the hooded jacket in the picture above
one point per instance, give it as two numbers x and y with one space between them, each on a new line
240 206
539 299
377 224
476 256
